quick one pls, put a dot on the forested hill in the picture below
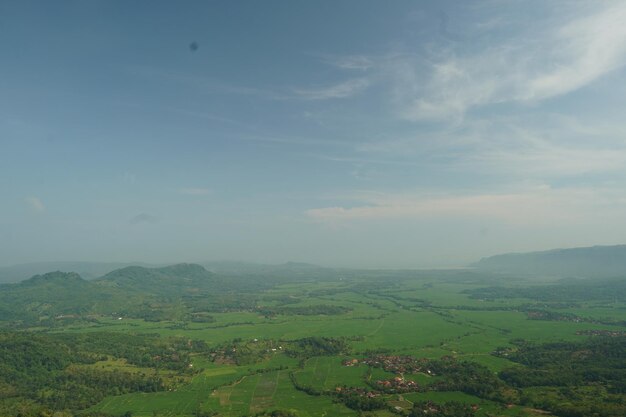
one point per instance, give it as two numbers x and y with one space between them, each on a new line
133 290
589 262
50 295
167 281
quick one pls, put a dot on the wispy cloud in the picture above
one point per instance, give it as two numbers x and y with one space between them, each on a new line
194 191
342 90
352 62
583 50
544 147
35 204
199 84
549 59
546 159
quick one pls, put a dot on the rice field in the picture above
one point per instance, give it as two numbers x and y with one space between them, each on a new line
397 321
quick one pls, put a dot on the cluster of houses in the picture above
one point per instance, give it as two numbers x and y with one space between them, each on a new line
398 385
350 362
398 364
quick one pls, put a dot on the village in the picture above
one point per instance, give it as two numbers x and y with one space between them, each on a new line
398 385
398 364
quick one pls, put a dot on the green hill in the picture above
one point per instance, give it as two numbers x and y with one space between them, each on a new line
51 295
133 291
169 281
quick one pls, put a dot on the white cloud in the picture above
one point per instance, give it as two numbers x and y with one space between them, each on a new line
35 204
583 50
342 90
548 59
194 191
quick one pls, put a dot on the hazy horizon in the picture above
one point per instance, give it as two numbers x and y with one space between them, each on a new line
251 263
352 134
362 265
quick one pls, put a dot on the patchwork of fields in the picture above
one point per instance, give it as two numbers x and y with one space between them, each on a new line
415 317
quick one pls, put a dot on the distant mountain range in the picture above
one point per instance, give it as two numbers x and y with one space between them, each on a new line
93 270
587 262
87 270
151 293
185 290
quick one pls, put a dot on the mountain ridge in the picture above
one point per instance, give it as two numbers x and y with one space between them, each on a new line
599 261
87 270
163 281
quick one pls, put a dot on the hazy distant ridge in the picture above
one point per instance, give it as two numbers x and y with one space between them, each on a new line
87 270
595 261
93 270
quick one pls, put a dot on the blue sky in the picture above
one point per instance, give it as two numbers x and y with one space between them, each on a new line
347 133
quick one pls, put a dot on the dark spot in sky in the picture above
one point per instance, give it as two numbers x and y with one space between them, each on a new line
193 46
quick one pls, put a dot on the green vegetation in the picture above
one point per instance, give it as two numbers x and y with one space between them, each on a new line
328 310
590 375
447 409
52 371
305 341
564 293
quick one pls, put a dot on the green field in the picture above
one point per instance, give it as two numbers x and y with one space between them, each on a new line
401 327
375 321
417 317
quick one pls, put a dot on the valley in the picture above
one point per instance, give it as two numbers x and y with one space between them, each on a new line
309 341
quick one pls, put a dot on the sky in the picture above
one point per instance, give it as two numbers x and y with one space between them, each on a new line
371 134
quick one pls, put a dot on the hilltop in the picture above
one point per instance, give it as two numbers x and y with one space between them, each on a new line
50 295
133 291
174 280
